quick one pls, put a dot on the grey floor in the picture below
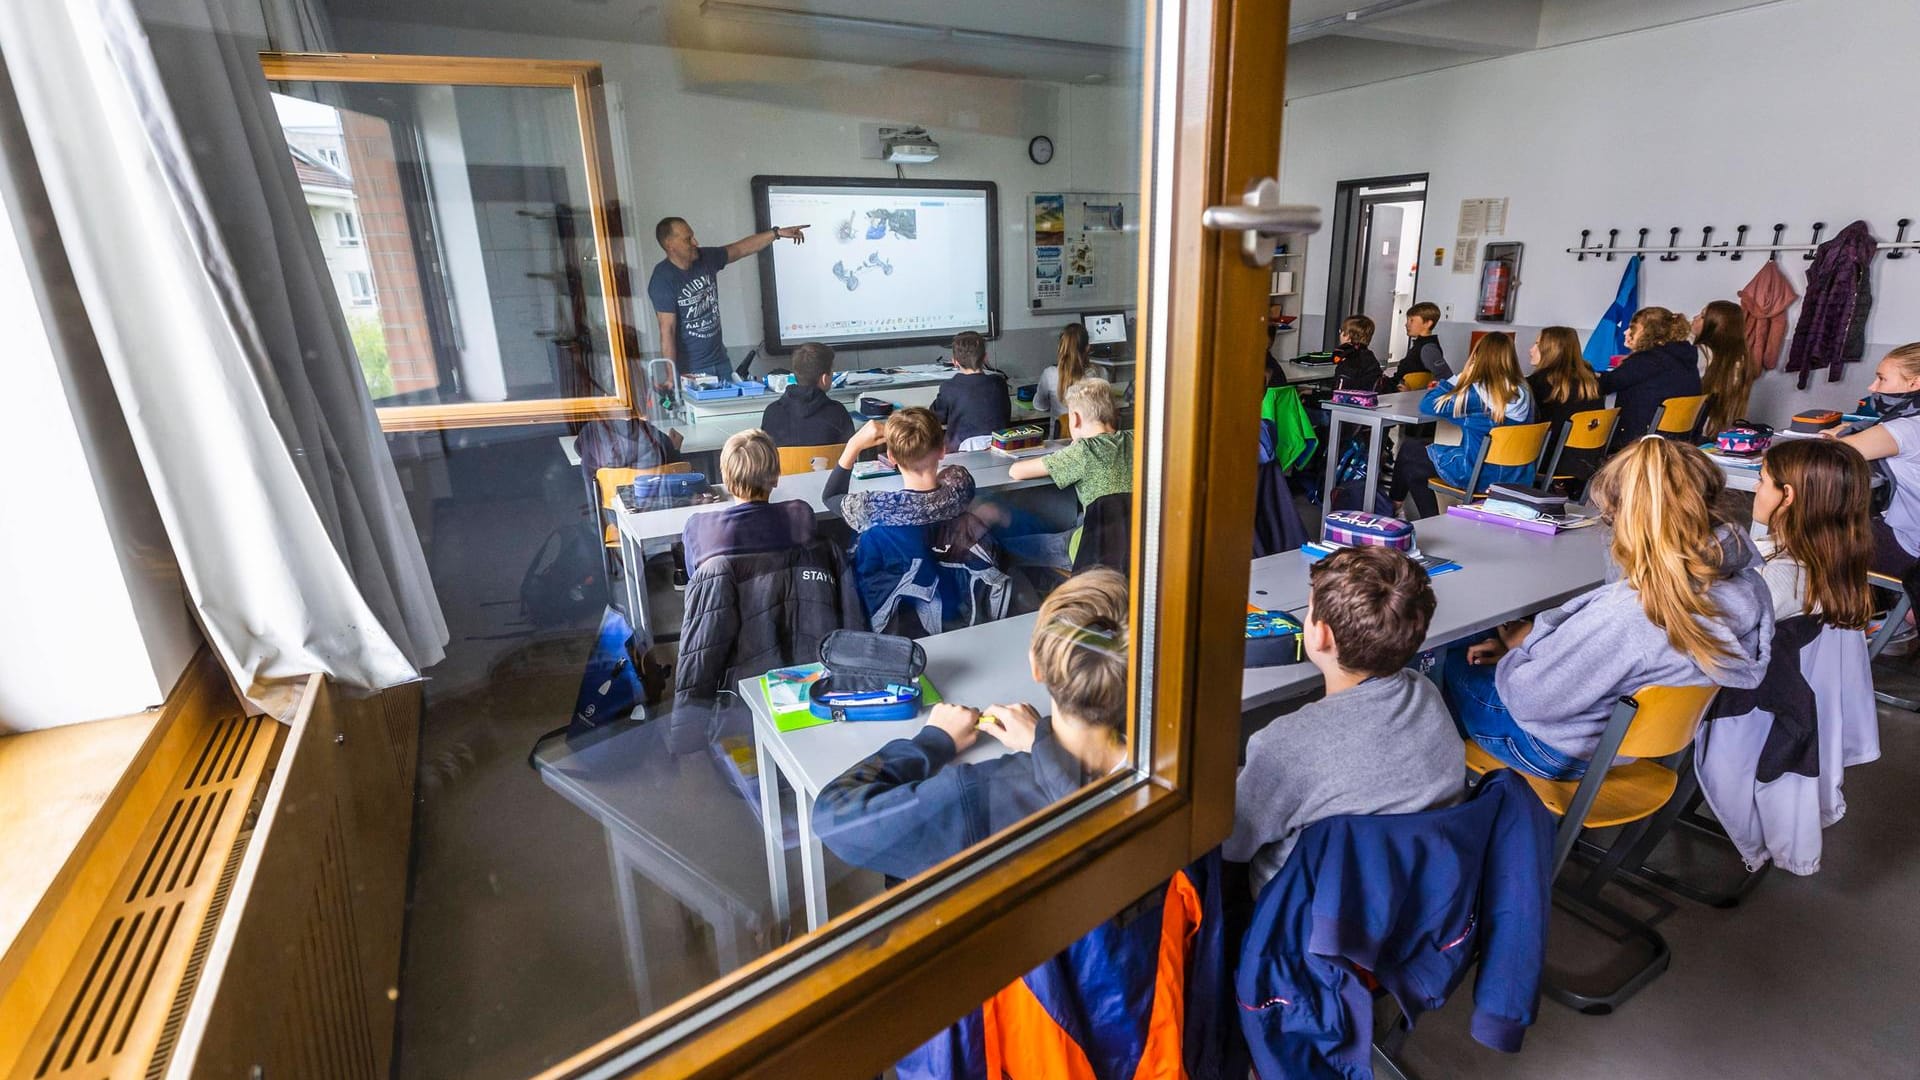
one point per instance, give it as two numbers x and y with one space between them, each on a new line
515 958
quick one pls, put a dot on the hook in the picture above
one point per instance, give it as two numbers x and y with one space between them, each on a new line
1642 245
1817 226
1611 234
1739 241
1778 232
1900 238
1584 233
1706 237
1673 240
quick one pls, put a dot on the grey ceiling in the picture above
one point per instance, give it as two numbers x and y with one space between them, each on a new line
1336 43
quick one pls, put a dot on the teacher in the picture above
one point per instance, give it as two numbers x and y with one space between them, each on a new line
686 298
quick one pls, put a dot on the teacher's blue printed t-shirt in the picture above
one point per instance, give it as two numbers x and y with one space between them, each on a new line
693 296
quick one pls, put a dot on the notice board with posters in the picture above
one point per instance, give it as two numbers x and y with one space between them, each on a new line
1083 250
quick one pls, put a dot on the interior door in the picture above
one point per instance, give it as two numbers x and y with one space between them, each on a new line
1381 267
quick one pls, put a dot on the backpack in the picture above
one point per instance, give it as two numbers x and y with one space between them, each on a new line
563 583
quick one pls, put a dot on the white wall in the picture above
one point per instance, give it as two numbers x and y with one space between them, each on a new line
1794 112
695 127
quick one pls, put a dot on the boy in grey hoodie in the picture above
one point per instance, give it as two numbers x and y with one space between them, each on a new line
1539 693
1380 742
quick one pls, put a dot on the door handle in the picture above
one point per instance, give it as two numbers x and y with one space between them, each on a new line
1258 217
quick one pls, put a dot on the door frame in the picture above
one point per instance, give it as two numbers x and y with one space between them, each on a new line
876 981
1344 271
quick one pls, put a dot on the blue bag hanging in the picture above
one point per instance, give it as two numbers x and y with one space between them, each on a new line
610 687
1610 335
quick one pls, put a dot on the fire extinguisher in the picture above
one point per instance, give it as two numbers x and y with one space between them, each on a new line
1493 291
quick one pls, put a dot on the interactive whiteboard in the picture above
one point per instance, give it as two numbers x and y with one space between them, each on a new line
886 262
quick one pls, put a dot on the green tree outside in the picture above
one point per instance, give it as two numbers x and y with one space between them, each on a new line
370 342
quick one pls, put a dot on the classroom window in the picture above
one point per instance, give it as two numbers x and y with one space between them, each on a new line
1004 581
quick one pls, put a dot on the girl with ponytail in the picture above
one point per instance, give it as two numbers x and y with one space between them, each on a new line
1685 606
1069 367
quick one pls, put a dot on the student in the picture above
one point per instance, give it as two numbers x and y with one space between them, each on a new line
1819 541
750 467
1490 392
1380 742
1686 606
1100 461
1562 381
1423 348
1727 373
1069 367
1355 367
804 415
929 493
1659 366
973 402
907 806
1893 445
1135 993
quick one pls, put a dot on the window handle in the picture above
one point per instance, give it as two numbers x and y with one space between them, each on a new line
1258 218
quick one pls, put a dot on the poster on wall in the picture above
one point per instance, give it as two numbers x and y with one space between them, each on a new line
1084 250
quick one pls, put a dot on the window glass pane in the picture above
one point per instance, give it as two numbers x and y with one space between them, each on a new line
883 269
479 237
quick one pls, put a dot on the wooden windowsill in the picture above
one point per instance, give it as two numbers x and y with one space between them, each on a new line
54 785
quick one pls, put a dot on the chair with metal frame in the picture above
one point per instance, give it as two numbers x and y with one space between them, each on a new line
1890 624
1509 445
1652 723
1679 417
1584 432
795 460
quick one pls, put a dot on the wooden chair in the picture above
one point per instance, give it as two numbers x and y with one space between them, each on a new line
1416 380
806 459
1508 445
1586 432
1677 417
1654 722
1890 624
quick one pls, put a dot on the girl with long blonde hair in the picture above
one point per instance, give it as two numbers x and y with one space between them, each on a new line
1069 367
1686 606
1487 393
1720 332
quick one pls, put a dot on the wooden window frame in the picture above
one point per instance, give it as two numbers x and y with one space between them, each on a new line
879 979
583 79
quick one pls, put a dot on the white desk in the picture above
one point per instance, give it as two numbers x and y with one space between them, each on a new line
673 821
1400 408
977 666
1307 375
990 471
1504 573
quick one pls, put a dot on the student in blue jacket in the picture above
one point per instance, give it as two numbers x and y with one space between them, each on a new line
1491 391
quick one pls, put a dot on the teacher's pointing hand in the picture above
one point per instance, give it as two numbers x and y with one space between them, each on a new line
795 233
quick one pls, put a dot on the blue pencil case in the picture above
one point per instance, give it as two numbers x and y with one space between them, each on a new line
1273 639
869 677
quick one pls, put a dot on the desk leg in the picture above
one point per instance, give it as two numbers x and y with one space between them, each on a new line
1374 453
1333 468
772 834
813 869
633 558
633 925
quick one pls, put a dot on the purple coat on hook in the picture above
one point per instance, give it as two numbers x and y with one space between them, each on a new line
1833 318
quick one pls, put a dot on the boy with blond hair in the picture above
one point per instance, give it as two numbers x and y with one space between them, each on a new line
1098 463
749 467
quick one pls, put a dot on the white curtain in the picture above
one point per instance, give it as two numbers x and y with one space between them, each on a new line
177 204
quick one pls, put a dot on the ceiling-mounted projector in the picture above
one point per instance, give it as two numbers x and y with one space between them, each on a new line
909 146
